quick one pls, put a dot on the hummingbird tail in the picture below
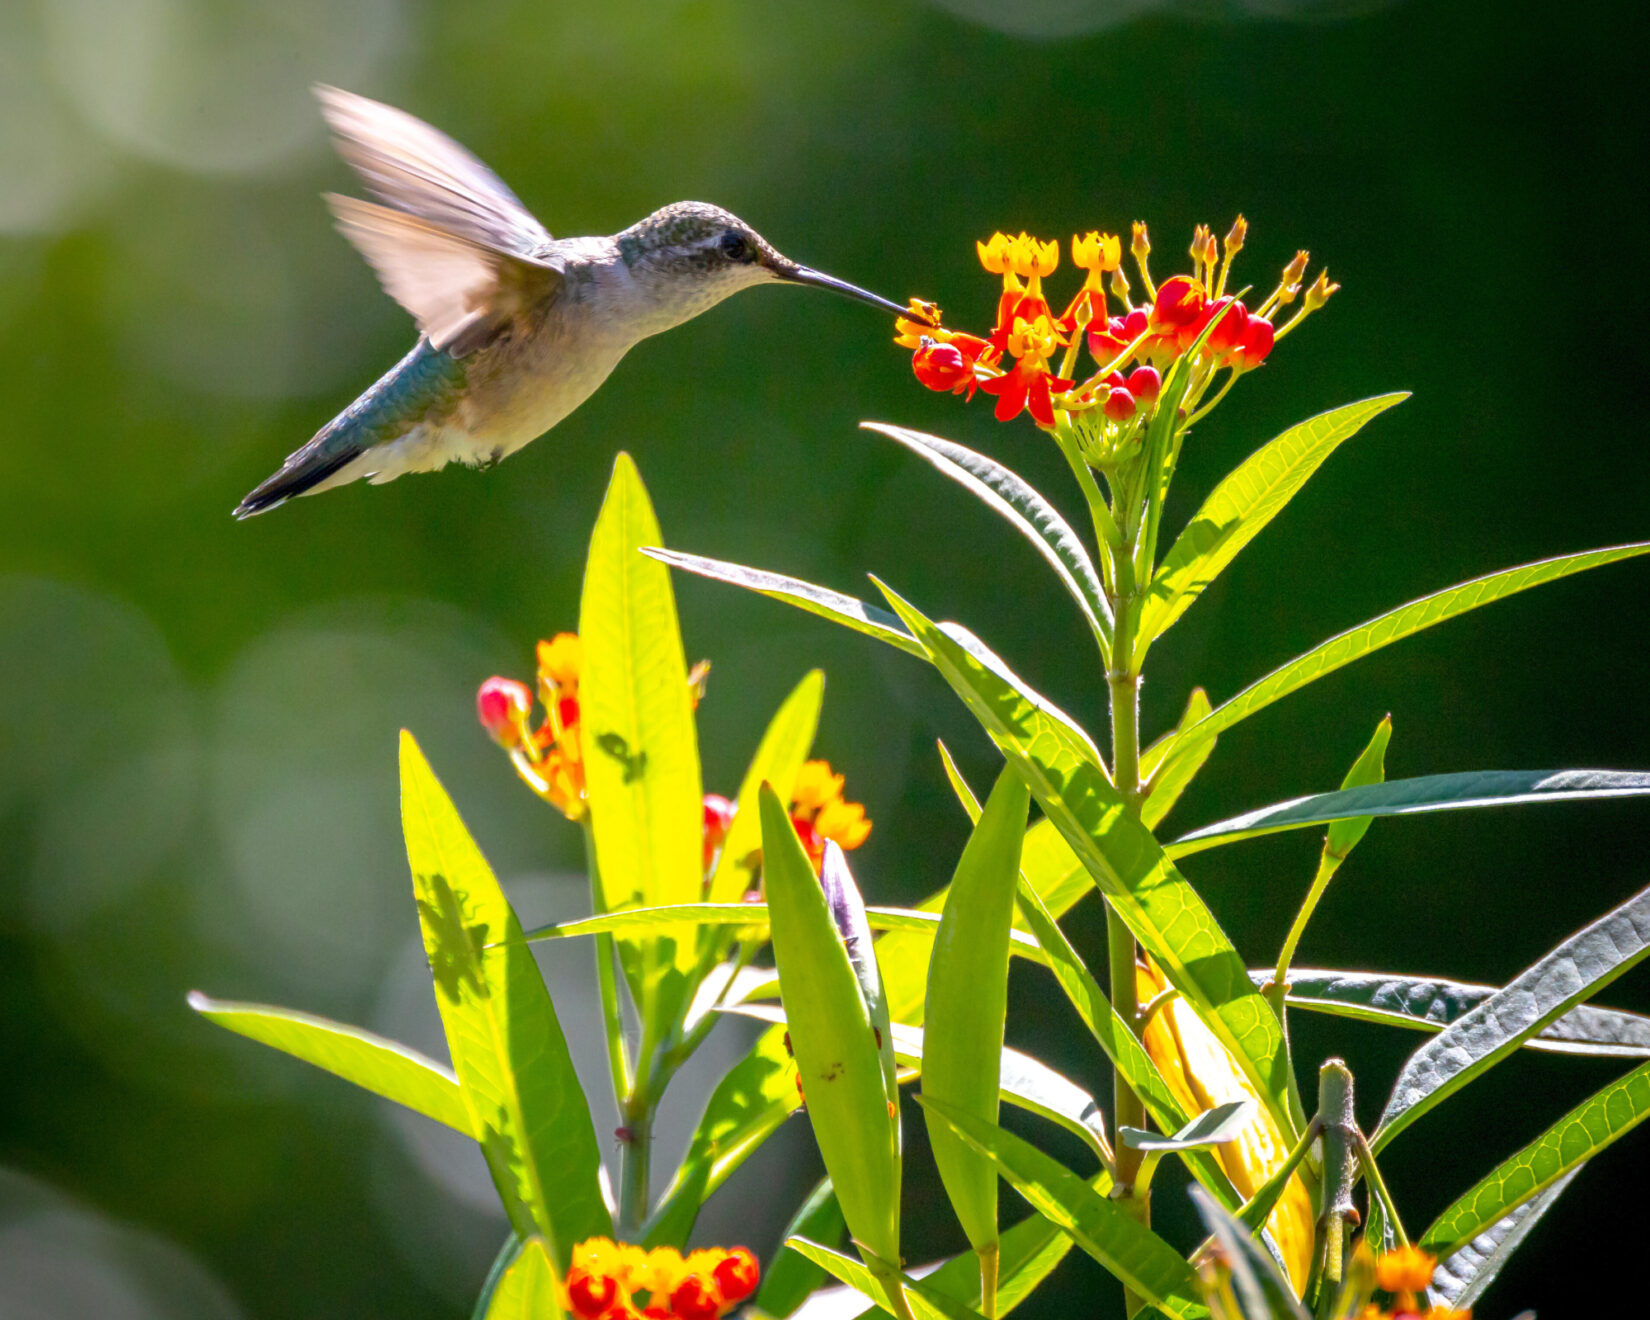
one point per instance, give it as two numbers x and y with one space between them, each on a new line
421 386
301 473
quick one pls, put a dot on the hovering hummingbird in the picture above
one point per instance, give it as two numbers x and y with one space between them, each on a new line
517 329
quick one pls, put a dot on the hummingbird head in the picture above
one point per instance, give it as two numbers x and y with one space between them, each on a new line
694 255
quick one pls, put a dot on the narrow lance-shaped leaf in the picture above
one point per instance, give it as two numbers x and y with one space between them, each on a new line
968 1000
827 604
1395 625
1143 1261
636 921
1009 495
1172 762
528 1290
791 1276
1431 1003
639 744
1022 1081
1461 1278
508 1051
1262 1290
1573 972
396 1072
1120 1044
845 1069
1466 790
1242 504
1164 912
1604 1117
926 1303
783 749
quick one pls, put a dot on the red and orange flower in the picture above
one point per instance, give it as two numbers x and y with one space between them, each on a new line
618 1281
1016 362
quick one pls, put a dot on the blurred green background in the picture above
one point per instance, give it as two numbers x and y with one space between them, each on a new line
197 717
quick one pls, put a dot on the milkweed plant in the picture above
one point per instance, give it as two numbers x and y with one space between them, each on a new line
703 905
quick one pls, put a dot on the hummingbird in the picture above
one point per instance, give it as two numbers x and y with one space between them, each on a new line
516 328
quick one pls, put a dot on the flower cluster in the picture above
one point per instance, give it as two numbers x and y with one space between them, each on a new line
549 758
1132 346
818 812
1405 1273
617 1281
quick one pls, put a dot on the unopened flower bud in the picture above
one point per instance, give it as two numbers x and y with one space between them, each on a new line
1119 405
501 706
940 366
1235 236
1211 251
1256 343
1140 242
1228 332
1319 293
1145 383
1180 301
718 820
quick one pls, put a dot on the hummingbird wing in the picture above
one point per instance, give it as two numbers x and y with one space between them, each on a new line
418 169
462 292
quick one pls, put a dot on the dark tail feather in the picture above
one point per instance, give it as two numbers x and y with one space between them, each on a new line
304 470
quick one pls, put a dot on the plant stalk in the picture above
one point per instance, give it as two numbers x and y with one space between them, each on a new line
1336 1215
618 1057
1328 864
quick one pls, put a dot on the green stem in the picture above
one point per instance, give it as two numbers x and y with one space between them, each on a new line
1378 1191
990 1259
1259 1206
1328 864
1340 1162
637 1149
618 1059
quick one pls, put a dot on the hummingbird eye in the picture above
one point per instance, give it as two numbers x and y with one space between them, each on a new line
736 247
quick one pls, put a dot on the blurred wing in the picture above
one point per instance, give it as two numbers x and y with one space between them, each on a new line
462 293
414 168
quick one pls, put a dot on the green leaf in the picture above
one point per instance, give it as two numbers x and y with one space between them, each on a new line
791 1276
1262 1291
1395 625
1165 913
1143 1261
1241 505
1213 1127
528 1290
1460 1280
827 604
1595 1123
967 999
507 1047
779 756
847 1072
1406 797
1368 771
1573 972
641 749
1172 762
1021 1080
505 1258
396 1072
635 921
926 1303
1431 1003
1121 1045
1005 493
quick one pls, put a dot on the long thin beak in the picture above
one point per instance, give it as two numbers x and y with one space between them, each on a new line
819 280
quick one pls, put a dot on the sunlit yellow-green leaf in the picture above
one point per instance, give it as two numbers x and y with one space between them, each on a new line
528 1290
524 1099
396 1072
